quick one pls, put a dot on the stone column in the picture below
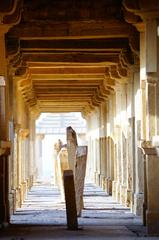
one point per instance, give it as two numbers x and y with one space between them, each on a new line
143 84
152 174
32 137
123 113
151 106
117 129
103 145
4 145
151 203
151 78
38 153
151 57
16 198
90 164
131 142
3 86
138 163
109 151
24 133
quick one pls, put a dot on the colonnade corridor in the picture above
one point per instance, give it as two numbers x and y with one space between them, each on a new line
43 216
88 60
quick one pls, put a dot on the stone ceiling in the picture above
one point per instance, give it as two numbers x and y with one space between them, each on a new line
67 55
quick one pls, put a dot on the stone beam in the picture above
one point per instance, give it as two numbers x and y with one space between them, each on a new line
108 59
63 83
71 30
108 44
66 77
56 69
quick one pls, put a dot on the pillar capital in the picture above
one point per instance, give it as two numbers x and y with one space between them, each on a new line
4 29
135 68
152 78
17 127
40 136
23 133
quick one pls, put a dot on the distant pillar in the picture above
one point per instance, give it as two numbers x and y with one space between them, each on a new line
38 153
23 162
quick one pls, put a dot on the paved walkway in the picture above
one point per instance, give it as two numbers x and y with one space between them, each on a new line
43 216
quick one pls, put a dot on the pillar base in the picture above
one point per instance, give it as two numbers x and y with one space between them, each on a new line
109 186
24 190
123 194
114 183
116 190
138 203
18 197
129 198
27 183
118 195
103 183
144 214
97 179
12 201
152 223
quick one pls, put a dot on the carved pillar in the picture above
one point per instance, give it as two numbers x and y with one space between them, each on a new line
23 164
151 194
152 170
138 168
151 106
16 200
32 137
151 71
118 143
109 151
102 145
39 138
4 145
151 204
123 113
3 86
130 142
90 162
143 84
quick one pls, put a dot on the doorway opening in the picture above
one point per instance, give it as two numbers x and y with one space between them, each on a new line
51 128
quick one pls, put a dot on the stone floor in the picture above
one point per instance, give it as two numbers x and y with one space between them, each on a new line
43 216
